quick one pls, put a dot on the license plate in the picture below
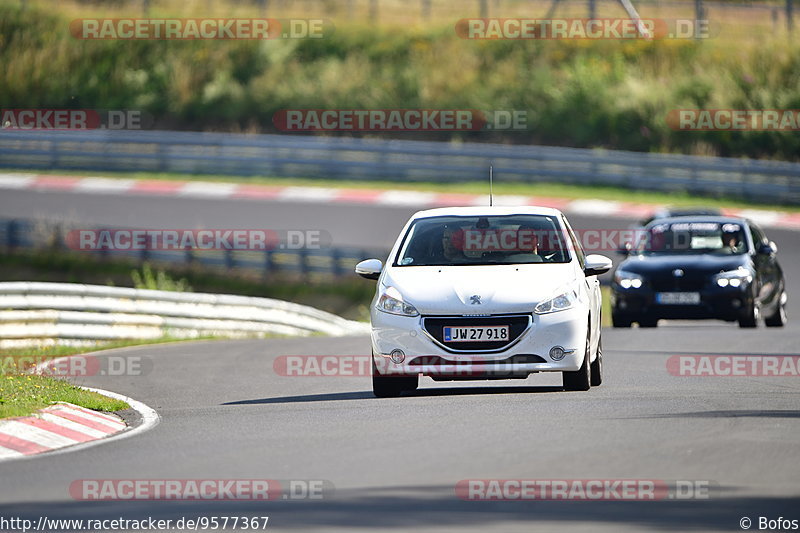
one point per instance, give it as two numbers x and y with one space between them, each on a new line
678 298
475 333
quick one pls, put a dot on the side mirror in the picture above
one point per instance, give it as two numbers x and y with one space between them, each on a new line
767 248
369 268
597 264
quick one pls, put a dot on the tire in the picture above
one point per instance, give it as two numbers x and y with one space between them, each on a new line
391 386
778 319
596 368
579 380
750 317
619 322
648 323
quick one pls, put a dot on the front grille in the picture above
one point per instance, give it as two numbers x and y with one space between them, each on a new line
690 282
517 324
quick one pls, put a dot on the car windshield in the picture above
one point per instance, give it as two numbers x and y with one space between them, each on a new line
481 240
722 238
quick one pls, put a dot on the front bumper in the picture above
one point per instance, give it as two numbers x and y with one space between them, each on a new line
527 354
722 303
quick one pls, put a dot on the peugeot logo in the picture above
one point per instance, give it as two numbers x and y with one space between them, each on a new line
475 299
678 273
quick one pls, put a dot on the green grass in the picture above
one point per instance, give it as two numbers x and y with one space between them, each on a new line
606 309
23 394
544 190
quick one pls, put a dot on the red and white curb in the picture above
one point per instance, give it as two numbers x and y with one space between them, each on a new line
57 426
67 427
404 198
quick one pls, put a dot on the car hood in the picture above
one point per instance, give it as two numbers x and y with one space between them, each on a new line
445 290
695 263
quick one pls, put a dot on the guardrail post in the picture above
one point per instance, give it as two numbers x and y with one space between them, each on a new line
229 259
188 256
269 264
162 157
12 234
145 249
305 268
57 241
336 267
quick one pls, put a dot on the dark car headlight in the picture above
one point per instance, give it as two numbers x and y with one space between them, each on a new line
628 280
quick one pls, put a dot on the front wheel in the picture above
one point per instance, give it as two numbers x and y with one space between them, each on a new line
596 368
619 322
778 319
579 380
391 386
750 317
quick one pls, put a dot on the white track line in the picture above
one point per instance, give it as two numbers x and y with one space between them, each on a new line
104 185
16 181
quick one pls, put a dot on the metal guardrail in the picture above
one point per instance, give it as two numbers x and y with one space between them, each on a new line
394 160
304 262
33 313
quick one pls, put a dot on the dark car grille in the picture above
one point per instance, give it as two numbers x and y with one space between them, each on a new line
690 281
517 324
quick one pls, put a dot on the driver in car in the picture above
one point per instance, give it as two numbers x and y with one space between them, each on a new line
731 241
450 248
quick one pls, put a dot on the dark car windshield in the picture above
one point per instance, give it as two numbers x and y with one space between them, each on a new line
481 240
724 238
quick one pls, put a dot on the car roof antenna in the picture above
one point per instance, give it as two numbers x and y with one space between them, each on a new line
491 173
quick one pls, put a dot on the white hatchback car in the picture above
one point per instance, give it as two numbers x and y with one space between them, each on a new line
485 293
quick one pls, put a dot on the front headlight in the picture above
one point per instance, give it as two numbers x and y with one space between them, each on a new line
733 278
562 302
392 302
628 280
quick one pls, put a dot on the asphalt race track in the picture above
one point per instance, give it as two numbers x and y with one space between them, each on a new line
395 463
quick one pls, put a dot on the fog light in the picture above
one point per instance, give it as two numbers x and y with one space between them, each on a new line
397 356
557 353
